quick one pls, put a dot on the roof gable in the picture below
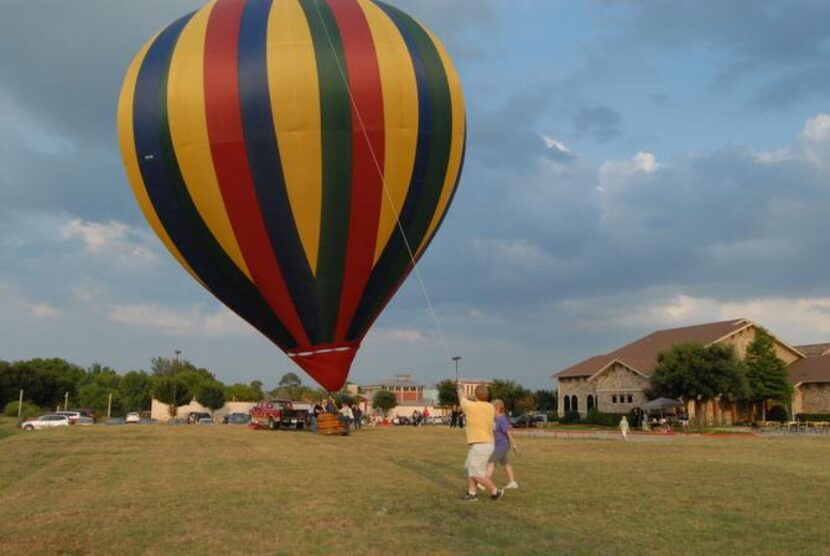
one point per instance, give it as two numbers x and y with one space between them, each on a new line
810 369
641 355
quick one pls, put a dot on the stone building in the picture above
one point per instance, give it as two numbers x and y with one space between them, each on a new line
617 382
402 386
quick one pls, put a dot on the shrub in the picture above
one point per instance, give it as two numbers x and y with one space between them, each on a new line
594 417
778 413
553 417
570 417
29 410
813 417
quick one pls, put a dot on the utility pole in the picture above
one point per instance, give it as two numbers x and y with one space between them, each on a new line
109 406
175 384
66 401
20 405
457 358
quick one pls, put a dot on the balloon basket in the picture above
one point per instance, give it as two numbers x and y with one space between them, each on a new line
328 424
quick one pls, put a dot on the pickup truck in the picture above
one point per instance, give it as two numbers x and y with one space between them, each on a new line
276 414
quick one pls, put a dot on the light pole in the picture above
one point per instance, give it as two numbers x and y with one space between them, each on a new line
175 384
457 358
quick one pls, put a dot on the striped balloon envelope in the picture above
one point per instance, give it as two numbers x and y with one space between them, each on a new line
296 157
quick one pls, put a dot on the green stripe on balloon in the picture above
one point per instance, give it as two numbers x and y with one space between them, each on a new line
336 123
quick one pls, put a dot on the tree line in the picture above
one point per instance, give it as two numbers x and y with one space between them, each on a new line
48 383
517 399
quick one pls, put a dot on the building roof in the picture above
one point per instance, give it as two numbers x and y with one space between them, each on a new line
813 350
641 355
397 382
810 369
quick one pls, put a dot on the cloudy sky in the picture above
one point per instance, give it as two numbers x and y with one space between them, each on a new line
632 165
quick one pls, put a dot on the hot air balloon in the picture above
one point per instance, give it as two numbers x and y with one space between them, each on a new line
296 157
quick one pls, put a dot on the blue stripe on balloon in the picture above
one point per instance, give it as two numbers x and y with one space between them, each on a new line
266 167
168 194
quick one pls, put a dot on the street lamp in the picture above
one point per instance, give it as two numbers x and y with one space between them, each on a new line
175 384
457 358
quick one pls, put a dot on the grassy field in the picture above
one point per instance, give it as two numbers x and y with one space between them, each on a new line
211 490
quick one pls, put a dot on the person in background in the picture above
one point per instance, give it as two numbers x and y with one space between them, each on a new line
454 417
315 414
480 441
346 416
624 427
358 417
425 417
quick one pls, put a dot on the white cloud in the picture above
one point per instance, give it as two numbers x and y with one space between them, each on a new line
616 172
113 236
397 335
221 322
43 311
815 138
555 145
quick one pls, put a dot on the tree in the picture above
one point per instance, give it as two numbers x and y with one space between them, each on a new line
508 391
211 394
172 391
95 388
447 393
766 373
134 390
242 393
699 373
256 386
290 379
385 401
547 400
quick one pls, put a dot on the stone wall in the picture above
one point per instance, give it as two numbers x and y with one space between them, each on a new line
579 387
815 398
616 386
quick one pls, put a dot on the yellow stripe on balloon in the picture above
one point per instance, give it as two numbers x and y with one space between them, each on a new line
400 113
188 130
295 98
126 139
459 122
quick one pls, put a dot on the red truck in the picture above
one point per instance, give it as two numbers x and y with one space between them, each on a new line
277 414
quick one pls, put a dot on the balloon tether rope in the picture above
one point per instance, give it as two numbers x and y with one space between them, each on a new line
389 199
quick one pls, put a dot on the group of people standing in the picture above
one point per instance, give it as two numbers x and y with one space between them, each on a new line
457 418
489 441
351 416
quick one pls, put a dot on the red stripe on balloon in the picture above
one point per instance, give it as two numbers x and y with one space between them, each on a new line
230 159
368 141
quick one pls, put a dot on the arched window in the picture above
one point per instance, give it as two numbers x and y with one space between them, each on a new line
567 404
574 403
590 402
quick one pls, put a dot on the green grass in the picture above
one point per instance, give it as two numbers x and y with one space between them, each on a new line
211 490
7 427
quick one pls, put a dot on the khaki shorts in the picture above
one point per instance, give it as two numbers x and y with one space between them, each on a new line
500 456
477 457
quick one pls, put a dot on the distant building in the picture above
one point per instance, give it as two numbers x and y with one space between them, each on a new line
402 386
617 381
469 385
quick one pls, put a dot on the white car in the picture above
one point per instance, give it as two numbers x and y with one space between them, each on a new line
46 422
73 416
133 418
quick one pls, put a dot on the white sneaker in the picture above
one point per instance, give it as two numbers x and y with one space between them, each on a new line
512 484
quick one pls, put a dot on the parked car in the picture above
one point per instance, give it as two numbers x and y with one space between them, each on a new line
45 422
114 421
541 418
402 420
195 416
523 422
87 412
177 421
147 421
73 416
85 421
133 418
237 419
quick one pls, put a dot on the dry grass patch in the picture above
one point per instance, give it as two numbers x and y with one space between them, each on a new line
206 490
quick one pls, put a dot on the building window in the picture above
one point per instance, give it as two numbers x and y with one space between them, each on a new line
589 402
574 403
630 398
614 398
567 404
